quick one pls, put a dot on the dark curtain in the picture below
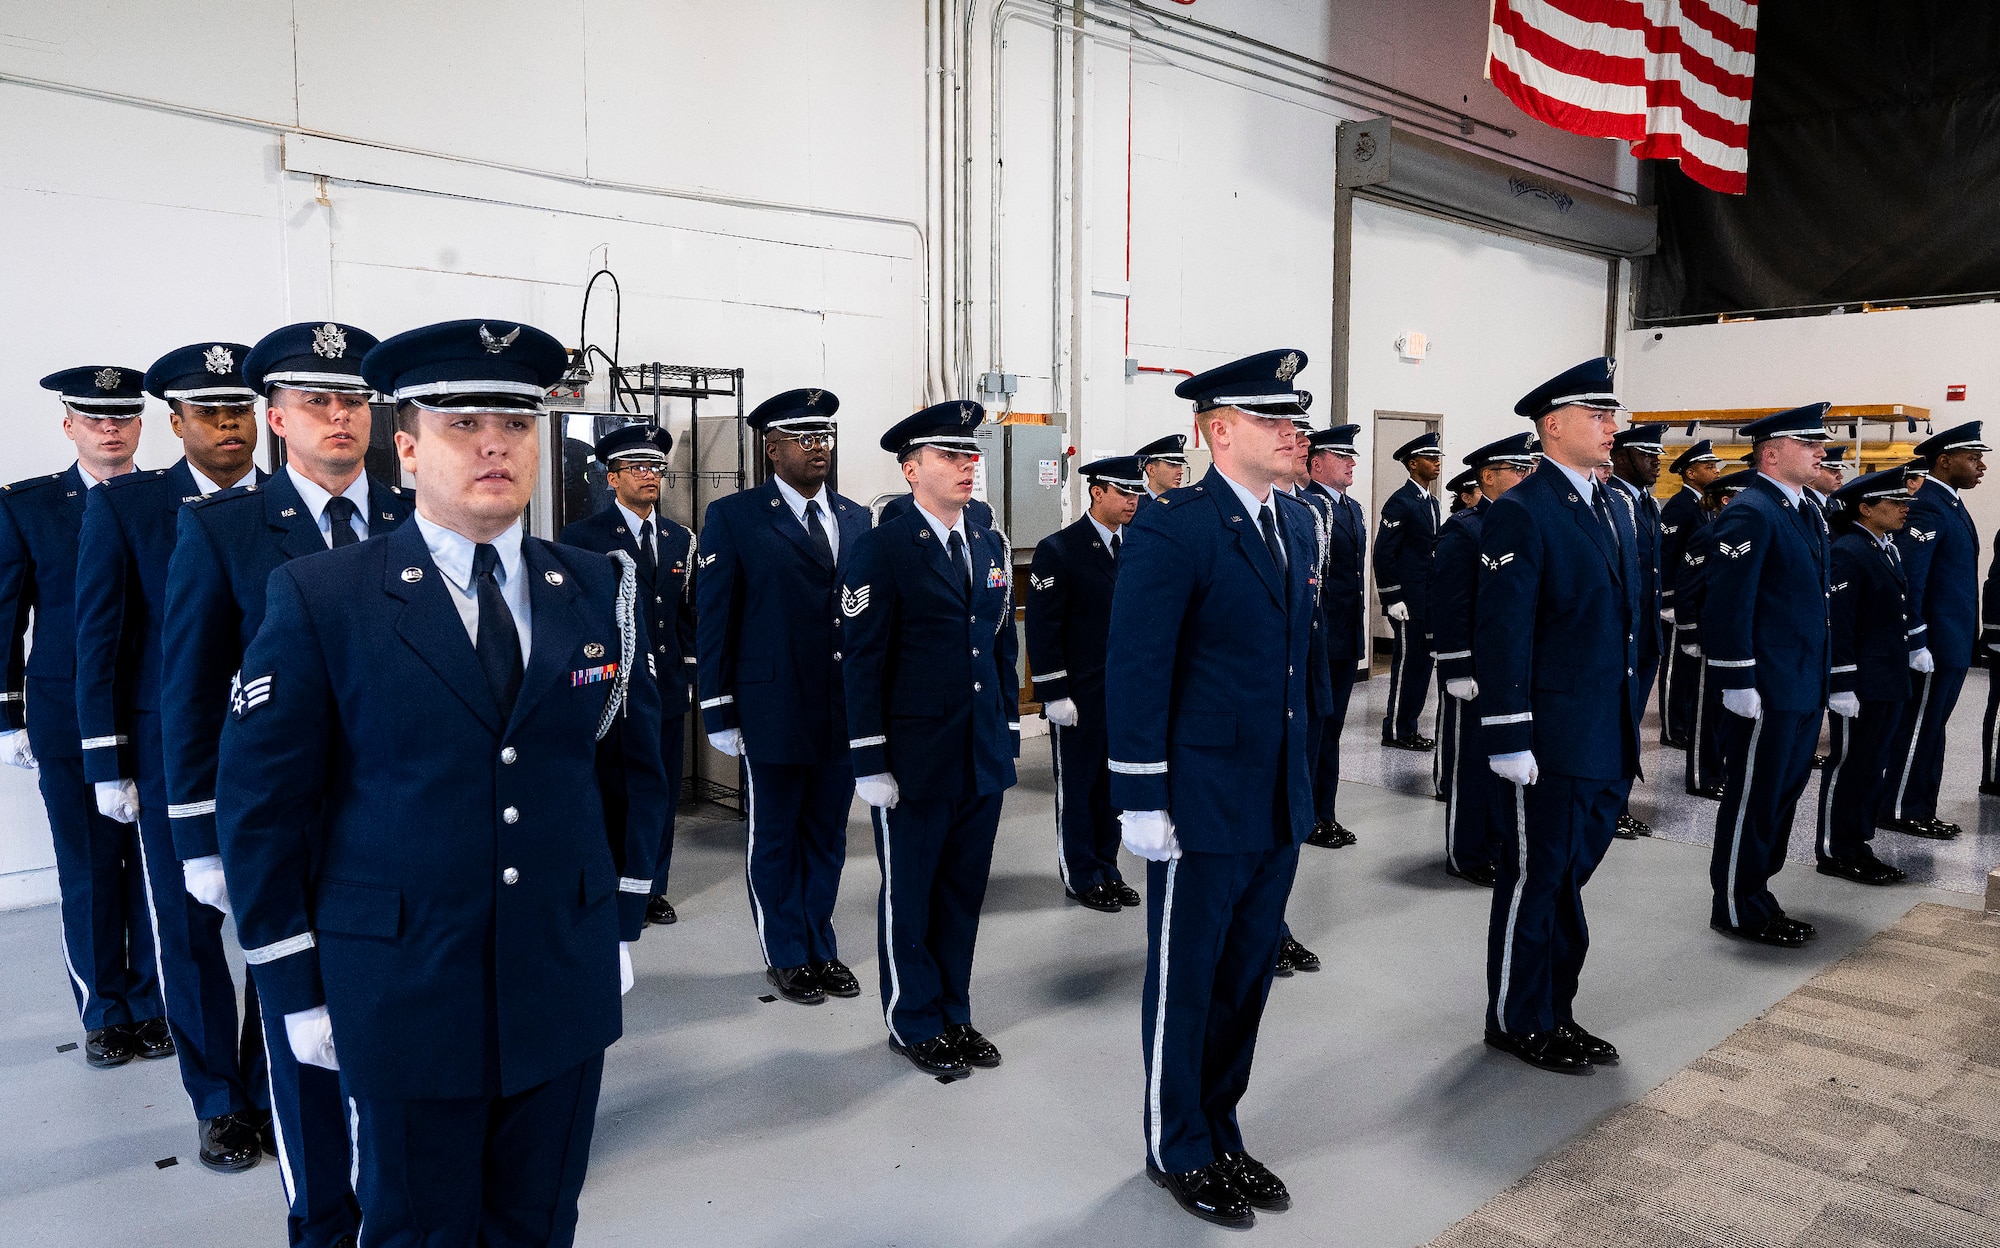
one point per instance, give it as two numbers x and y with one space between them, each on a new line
1874 166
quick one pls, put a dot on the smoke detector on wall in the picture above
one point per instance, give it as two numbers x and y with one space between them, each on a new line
1412 345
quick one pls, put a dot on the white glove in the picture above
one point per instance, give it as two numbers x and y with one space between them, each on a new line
1061 712
1465 689
1692 651
1668 615
729 741
311 1034
204 881
1397 611
1921 661
878 790
15 750
1515 768
1845 705
625 979
1745 702
118 799
1149 834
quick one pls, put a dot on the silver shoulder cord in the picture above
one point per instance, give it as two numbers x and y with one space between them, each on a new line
1006 619
626 610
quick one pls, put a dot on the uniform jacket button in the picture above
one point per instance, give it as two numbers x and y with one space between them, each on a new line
510 815
510 876
836 656
509 754
975 686
1288 714
975 652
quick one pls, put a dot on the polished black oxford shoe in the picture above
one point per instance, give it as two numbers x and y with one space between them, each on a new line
1128 896
660 911
109 1046
1595 1049
230 1142
834 979
1819 762
1800 926
1630 827
1101 897
1928 829
1712 792
1415 742
1861 870
1297 956
153 1038
1255 1181
1330 835
1770 932
972 1048
1544 1050
937 1057
795 983
1486 875
1206 1193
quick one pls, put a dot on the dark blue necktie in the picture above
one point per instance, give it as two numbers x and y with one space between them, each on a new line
1267 518
959 561
340 515
499 645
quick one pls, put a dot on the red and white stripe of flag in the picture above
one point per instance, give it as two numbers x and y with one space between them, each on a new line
1671 76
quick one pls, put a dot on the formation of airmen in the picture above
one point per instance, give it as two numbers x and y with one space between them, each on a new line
430 764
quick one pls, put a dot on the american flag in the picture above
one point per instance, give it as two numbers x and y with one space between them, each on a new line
1672 76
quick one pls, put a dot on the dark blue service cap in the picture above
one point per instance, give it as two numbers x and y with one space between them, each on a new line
1586 385
1702 452
1835 452
1422 444
1122 471
1892 483
796 411
1521 450
1729 483
947 426
312 355
1642 438
1171 449
1964 437
1808 424
1467 480
476 365
1917 469
100 390
637 444
1260 383
1339 440
209 373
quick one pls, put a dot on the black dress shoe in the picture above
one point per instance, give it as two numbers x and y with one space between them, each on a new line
1416 742
1324 836
1712 792
661 911
1255 1181
1623 831
1207 1193
1342 837
1945 826
1128 896
796 983
1301 958
1284 967
1101 897
937 1056
1861 870
109 1046
1928 829
972 1048
230 1143
1819 762
1770 932
1675 743
1800 926
1638 825
153 1038
834 979
1598 1051
1544 1050
1486 875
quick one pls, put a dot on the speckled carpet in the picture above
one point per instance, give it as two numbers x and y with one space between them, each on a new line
1861 1110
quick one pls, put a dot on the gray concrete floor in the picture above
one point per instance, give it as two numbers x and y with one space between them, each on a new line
729 1121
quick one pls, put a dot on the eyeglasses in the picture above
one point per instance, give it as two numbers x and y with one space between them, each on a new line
811 441
639 470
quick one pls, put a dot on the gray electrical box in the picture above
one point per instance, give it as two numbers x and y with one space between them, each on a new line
1024 479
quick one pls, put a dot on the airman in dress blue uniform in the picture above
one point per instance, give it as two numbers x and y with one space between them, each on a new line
933 725
1164 462
1293 956
227 546
1211 655
1635 466
1940 549
1405 551
977 510
1703 777
1764 639
1870 676
771 637
1343 602
634 460
1472 833
1682 518
1555 655
123 554
411 804
107 936
1068 621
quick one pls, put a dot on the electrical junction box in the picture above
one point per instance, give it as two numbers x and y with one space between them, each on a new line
1023 474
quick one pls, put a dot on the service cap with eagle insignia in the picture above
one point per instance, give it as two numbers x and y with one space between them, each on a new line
1519 450
1260 383
1963 437
208 374
312 355
1644 439
1702 452
1339 440
633 444
1425 444
947 426
471 365
796 412
100 390
1120 472
1727 486
1586 385
1891 484
1807 424
1171 449
1464 483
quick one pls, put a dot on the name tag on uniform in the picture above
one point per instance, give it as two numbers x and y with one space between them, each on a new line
592 675
996 578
